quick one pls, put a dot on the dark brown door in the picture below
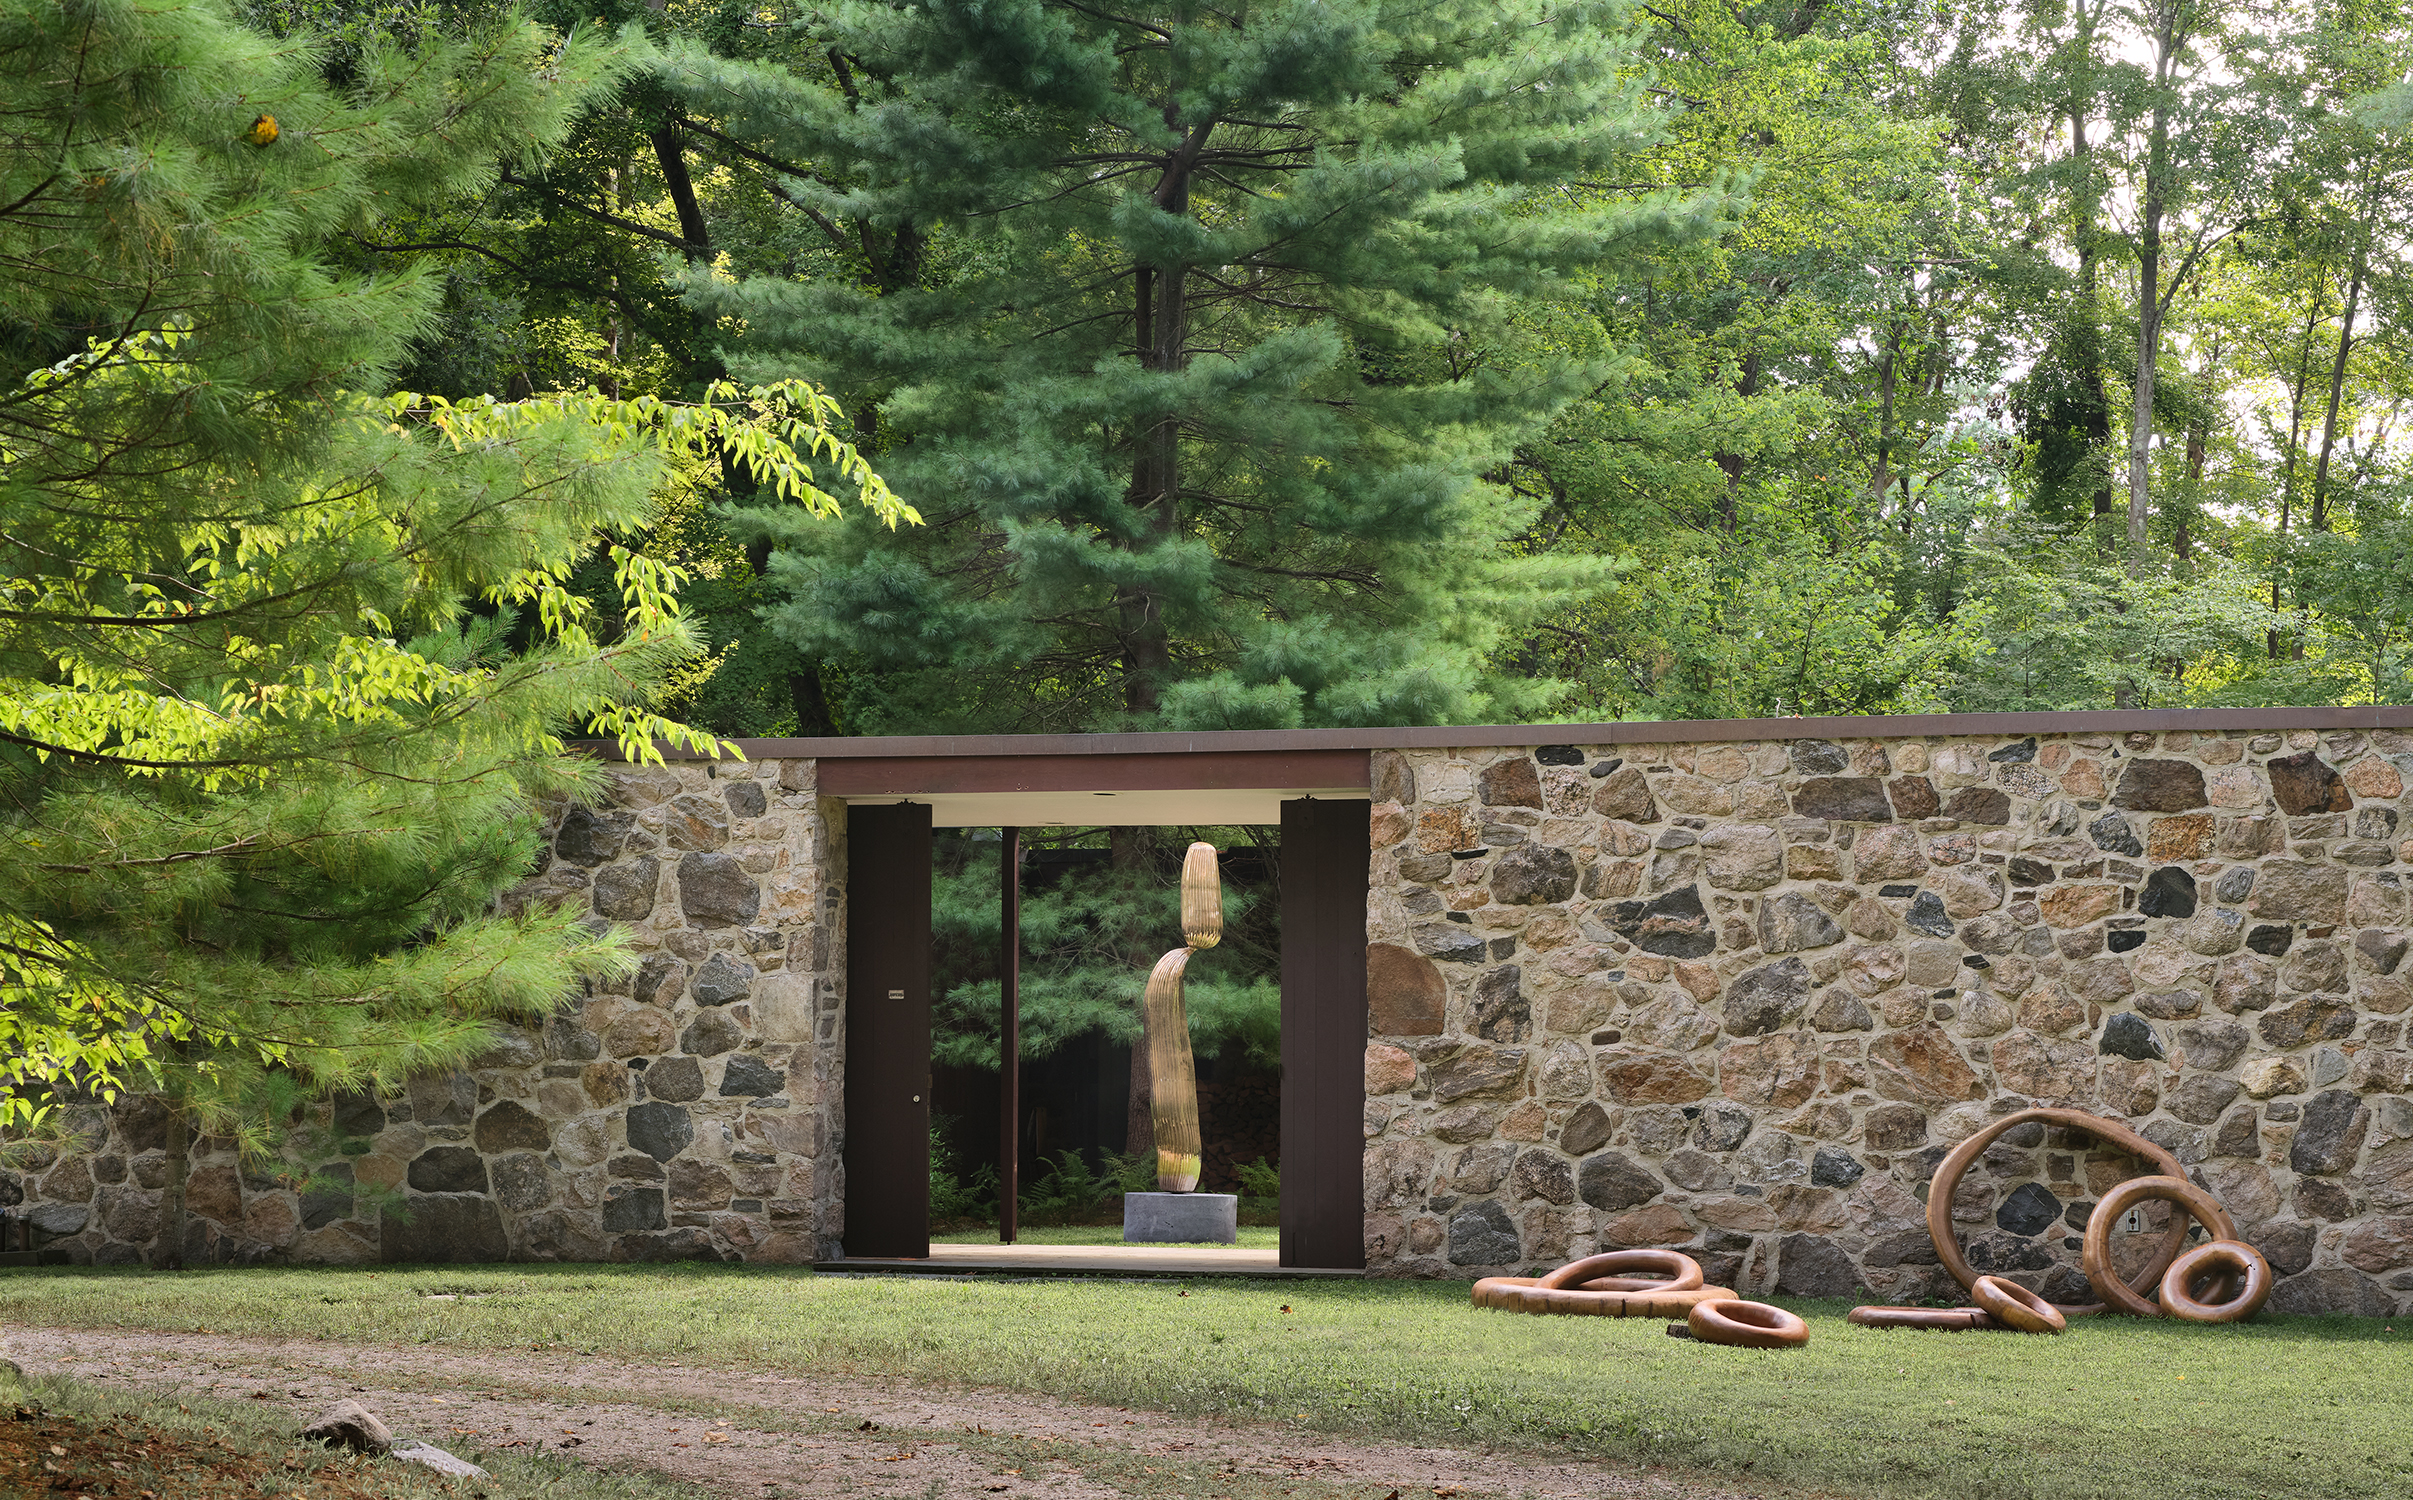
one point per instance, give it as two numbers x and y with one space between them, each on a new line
1324 862
888 1031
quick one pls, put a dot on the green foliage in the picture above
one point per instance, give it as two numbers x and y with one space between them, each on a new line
1762 362
1260 1178
1280 507
284 664
954 1197
1071 1190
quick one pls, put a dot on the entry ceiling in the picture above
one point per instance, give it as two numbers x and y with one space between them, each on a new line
1117 809
1099 787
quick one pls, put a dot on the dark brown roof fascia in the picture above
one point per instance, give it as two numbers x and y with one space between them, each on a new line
1200 770
1657 732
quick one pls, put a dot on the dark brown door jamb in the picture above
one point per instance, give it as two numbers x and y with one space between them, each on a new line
888 1031
1324 863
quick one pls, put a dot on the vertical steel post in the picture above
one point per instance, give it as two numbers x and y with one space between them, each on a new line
1009 1029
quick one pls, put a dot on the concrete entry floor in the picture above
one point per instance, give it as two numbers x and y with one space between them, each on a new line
1089 1260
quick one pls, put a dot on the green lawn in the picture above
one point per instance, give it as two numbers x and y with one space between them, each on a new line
2282 1407
1252 1236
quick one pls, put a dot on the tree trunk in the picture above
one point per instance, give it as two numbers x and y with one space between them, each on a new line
2199 442
2287 468
1746 385
1886 380
2149 297
670 153
2319 519
1162 327
2088 358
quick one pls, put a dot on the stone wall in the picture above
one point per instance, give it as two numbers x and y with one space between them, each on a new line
1741 997
691 1110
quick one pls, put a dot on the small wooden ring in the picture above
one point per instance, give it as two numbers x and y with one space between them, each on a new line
1947 1180
2215 1258
1745 1325
2009 1303
2174 1189
1943 1319
1615 1269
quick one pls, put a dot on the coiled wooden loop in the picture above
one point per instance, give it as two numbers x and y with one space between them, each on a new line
2013 1305
2173 1189
1612 1272
2239 1265
1746 1325
1948 1180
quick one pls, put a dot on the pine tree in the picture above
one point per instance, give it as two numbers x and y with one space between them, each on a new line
284 662
1201 336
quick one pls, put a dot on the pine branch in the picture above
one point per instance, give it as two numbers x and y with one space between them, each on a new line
597 214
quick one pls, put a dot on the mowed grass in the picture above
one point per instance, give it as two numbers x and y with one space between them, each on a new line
1252 1236
2114 1408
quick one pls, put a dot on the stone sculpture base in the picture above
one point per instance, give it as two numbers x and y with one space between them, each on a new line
1175 1218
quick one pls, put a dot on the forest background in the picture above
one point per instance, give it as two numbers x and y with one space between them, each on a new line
1942 355
1409 361
2018 355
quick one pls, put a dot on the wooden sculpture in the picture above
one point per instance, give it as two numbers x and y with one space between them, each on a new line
1745 1325
2252 1282
1948 1180
1948 1319
2239 1278
2014 1306
1602 1286
2172 1188
1172 1073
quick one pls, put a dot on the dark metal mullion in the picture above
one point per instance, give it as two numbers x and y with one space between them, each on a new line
1009 1030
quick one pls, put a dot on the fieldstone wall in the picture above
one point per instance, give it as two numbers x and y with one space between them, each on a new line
1740 998
690 1111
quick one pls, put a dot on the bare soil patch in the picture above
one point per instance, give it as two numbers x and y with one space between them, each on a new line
45 1453
782 1437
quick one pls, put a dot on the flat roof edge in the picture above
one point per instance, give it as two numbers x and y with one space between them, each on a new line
1653 732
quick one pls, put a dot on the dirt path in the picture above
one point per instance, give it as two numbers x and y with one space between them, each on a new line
780 1437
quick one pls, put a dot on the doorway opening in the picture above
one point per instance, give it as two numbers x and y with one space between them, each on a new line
1280 1053
1097 907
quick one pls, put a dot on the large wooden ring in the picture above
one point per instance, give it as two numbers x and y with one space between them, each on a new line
2252 1281
1580 1288
2172 1188
1745 1325
2013 1305
1947 1319
1601 1273
1947 1180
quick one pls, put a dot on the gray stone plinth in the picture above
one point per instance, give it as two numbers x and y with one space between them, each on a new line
1181 1218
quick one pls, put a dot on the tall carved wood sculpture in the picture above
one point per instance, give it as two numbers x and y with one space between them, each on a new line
1172 1075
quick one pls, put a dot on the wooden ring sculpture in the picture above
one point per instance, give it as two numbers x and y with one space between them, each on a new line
1745 1325
1580 1287
2173 1188
2253 1282
1947 1319
2013 1305
1601 1273
1948 1180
